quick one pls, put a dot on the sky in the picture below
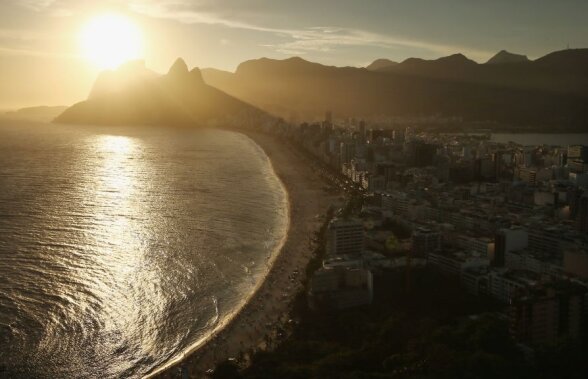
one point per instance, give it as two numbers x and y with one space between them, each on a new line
41 61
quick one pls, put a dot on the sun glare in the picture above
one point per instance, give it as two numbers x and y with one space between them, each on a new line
109 40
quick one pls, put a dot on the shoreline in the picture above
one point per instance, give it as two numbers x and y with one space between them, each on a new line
268 307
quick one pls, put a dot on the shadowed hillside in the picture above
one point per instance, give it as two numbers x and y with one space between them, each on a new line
134 96
552 90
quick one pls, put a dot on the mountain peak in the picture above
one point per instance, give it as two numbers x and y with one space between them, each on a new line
125 75
380 64
504 56
456 58
196 76
178 68
179 98
296 59
277 66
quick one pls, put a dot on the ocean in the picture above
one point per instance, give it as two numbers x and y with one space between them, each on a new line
121 248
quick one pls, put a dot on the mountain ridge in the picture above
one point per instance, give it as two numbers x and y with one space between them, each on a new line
549 90
179 98
540 91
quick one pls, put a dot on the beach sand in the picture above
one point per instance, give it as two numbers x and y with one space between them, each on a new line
253 326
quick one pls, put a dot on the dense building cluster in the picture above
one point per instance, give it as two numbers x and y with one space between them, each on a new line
510 221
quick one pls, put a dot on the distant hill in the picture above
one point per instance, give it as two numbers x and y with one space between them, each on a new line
381 64
133 95
553 90
40 113
504 57
572 61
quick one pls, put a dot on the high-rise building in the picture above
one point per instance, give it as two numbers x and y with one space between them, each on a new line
398 136
345 236
579 152
362 131
498 162
575 262
548 240
340 288
484 169
327 125
346 151
507 240
328 117
573 196
582 214
528 175
545 316
420 153
425 241
577 165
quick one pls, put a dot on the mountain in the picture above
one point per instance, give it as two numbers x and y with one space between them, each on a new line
40 113
126 75
551 90
131 96
572 61
381 64
504 57
451 67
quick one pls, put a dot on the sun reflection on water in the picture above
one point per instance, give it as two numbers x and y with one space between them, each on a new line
121 239
117 170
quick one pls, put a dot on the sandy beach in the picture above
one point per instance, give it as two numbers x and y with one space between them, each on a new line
254 325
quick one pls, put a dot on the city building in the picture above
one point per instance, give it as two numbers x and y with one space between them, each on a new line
425 241
544 316
345 236
575 262
455 262
340 288
507 240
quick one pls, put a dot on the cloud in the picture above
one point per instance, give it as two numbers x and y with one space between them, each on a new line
185 12
8 51
328 38
35 5
297 41
286 40
16 42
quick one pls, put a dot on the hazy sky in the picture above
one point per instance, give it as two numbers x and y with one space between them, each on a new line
41 63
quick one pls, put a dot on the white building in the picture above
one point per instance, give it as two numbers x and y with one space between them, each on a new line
504 285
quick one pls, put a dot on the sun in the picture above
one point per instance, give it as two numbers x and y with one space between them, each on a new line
109 40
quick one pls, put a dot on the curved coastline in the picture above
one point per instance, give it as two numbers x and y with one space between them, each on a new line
245 329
